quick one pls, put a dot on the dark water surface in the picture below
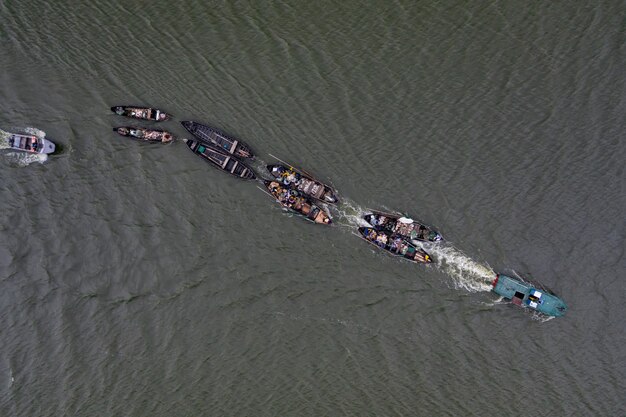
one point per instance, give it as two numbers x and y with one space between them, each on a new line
136 280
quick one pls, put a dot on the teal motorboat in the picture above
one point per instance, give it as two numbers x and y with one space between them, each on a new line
529 295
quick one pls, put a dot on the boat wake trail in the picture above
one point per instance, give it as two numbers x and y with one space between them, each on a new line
34 131
350 214
4 136
465 272
23 159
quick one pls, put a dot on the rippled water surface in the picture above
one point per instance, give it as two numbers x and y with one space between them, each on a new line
137 280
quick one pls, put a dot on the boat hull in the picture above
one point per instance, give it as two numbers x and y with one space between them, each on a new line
30 143
395 245
218 139
297 202
304 183
408 228
145 135
222 160
143 113
528 295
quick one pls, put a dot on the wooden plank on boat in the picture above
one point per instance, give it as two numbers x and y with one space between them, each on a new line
225 162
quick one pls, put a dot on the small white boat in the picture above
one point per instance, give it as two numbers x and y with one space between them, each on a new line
29 143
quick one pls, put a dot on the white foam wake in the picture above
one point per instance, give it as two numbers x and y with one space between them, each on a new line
34 131
4 136
466 273
350 214
23 159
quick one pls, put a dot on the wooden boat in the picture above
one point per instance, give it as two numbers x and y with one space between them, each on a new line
145 113
222 160
408 228
28 143
395 244
221 140
529 295
303 182
294 200
147 135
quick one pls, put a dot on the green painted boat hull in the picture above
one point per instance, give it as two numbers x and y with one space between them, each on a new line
527 295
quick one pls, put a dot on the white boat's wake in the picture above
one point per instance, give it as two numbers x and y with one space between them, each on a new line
4 139
465 272
350 214
23 159
34 131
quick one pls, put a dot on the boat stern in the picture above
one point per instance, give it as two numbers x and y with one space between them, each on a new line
435 236
330 197
424 257
189 125
275 170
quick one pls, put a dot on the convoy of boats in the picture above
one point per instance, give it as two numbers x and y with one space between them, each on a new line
301 193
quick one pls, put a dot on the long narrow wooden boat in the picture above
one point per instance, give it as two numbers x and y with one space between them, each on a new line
303 182
529 295
404 226
297 202
27 143
222 160
395 244
226 143
144 113
147 135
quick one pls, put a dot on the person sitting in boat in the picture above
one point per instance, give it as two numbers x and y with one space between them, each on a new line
288 177
291 198
535 296
273 185
282 194
298 203
381 240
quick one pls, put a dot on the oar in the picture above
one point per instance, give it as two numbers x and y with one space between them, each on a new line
291 166
268 193
387 214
